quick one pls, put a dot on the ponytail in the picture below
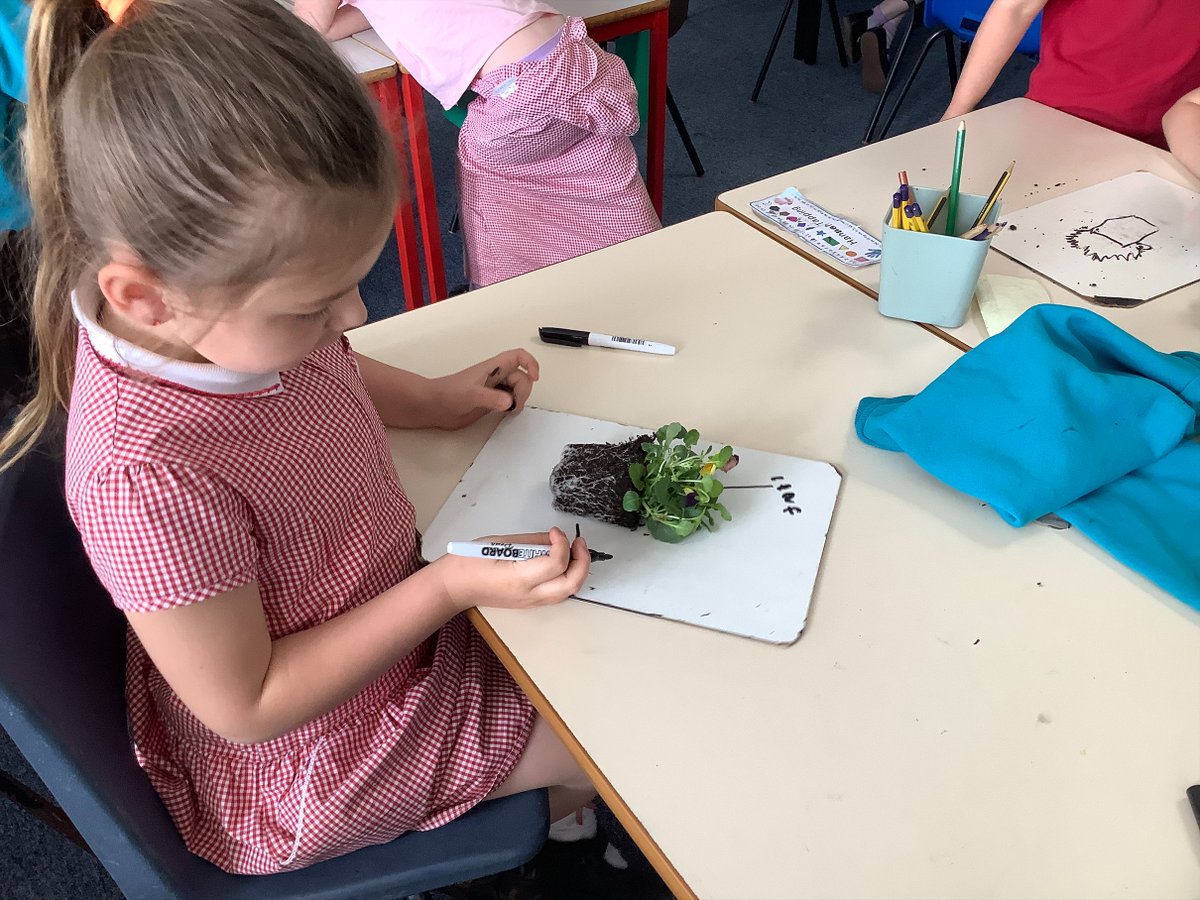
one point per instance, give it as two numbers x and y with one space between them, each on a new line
215 139
59 32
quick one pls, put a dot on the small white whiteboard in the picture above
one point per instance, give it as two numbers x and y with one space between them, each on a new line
1118 243
753 576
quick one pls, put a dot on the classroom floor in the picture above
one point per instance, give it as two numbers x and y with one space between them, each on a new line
804 114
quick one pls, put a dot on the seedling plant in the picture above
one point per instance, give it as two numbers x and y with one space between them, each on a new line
675 489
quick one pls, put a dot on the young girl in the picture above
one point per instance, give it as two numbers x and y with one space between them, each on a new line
546 168
209 184
1118 64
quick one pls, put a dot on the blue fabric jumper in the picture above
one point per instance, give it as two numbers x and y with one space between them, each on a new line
14 28
1064 412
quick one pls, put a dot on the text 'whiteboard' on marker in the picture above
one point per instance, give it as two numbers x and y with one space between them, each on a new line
753 576
1118 243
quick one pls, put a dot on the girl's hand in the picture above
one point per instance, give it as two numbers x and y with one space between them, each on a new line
517 584
502 383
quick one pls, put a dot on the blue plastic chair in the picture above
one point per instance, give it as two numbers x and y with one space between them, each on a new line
948 19
62 661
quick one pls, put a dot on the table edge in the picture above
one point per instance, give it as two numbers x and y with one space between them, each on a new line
631 12
649 847
722 206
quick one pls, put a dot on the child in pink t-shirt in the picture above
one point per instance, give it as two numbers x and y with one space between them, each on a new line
546 168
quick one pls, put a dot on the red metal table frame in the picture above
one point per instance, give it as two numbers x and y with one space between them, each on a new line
655 22
402 107
402 100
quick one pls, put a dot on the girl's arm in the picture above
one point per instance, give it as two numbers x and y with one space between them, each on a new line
407 400
1003 26
330 19
219 658
1181 125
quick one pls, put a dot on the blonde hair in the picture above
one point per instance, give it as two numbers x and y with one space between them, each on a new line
183 134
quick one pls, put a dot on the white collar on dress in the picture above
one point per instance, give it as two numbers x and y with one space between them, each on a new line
205 377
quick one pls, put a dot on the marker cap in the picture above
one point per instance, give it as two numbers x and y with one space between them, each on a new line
567 337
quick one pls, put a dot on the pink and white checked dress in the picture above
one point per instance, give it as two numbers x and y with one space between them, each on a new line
189 480
546 168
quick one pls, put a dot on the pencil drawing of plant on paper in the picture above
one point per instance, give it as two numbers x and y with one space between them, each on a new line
1120 237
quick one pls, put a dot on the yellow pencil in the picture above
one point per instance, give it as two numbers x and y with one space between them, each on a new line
913 210
994 195
937 209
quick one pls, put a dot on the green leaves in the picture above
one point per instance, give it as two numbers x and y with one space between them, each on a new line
668 433
637 474
675 488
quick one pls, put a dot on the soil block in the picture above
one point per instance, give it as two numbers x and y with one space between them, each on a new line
591 480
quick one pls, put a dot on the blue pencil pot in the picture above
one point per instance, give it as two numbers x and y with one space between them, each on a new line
931 277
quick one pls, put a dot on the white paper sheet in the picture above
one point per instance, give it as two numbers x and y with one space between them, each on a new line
1118 243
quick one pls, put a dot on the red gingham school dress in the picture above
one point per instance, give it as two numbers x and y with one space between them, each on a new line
546 168
186 481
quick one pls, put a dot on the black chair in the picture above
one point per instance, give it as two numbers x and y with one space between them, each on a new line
676 16
62 701
808 28
948 19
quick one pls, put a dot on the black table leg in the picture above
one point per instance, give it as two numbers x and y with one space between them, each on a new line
808 28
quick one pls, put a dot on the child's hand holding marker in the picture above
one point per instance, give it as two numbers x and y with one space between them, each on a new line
516 583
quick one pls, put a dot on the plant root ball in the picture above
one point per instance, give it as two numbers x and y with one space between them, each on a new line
591 480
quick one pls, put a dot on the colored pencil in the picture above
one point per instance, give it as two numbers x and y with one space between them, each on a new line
994 195
981 232
937 210
914 216
960 139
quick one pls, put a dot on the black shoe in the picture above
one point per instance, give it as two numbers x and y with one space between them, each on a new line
874 48
853 28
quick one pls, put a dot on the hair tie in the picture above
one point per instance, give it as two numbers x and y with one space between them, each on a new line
114 9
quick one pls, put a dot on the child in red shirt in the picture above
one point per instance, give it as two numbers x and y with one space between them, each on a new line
1116 63
300 682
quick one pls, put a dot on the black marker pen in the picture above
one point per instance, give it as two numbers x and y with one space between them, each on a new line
572 337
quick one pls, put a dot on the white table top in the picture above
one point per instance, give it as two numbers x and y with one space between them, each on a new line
367 63
607 10
972 710
1055 153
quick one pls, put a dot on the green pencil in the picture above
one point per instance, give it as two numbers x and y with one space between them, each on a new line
952 199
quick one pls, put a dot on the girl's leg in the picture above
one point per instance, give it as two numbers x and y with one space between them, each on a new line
888 9
874 43
547 763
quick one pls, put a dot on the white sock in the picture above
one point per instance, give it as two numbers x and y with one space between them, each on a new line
613 857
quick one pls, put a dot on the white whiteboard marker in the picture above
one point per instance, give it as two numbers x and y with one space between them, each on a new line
488 550
497 550
572 337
